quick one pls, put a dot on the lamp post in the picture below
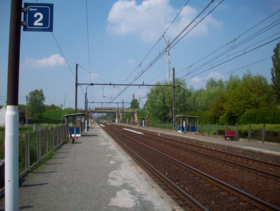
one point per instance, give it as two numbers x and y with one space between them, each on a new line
86 96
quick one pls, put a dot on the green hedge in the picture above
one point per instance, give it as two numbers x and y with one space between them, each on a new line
260 116
48 121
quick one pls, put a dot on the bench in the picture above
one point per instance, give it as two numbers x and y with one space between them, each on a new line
230 133
71 137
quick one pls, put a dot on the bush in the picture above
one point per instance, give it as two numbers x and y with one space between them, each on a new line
260 116
226 119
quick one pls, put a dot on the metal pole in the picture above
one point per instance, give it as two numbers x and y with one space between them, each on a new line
249 132
173 98
64 100
26 110
76 89
85 101
12 116
61 113
133 109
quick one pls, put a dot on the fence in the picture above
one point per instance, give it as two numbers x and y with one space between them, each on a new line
40 144
36 145
259 132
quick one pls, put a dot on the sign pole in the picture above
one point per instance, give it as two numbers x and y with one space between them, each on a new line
12 116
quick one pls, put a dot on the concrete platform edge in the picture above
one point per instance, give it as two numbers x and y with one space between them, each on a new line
151 182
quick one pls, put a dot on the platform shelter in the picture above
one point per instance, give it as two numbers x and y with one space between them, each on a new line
188 122
76 123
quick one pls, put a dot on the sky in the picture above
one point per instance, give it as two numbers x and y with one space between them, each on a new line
111 41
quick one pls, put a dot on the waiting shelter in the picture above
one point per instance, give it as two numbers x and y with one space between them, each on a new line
76 123
188 122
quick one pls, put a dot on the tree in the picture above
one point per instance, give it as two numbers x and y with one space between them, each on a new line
52 107
135 102
36 105
275 73
253 92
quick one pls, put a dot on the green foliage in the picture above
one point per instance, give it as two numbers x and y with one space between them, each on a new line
260 116
160 101
56 114
252 93
52 107
226 119
102 117
22 106
216 108
127 116
134 104
36 104
275 73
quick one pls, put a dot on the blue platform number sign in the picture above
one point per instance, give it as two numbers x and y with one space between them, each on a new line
38 17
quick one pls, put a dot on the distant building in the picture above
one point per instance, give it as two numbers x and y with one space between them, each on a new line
22 116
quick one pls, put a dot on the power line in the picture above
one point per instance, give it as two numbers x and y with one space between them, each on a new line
234 70
232 41
92 73
242 50
88 35
235 46
164 51
162 36
235 57
225 73
62 52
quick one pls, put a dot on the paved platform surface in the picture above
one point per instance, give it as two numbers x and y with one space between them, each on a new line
92 174
256 146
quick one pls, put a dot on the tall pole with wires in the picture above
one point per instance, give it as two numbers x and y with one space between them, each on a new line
174 109
26 109
168 61
76 89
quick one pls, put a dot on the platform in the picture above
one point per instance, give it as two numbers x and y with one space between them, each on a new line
93 174
258 150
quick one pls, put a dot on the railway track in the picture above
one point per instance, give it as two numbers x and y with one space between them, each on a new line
232 197
245 164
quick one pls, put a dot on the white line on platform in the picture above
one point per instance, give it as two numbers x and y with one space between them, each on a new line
133 131
102 125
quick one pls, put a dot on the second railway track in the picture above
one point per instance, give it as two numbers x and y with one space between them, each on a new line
212 193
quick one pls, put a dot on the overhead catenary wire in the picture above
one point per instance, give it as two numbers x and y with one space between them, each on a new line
259 61
157 41
234 70
236 57
232 40
94 75
231 49
164 50
266 28
62 52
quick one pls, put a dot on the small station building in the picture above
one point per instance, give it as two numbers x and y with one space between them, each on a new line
76 123
191 123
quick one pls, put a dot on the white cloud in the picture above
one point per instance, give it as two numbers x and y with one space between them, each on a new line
54 60
214 75
151 18
196 80
93 75
130 61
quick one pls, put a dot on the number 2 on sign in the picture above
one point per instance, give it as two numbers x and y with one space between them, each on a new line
36 23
